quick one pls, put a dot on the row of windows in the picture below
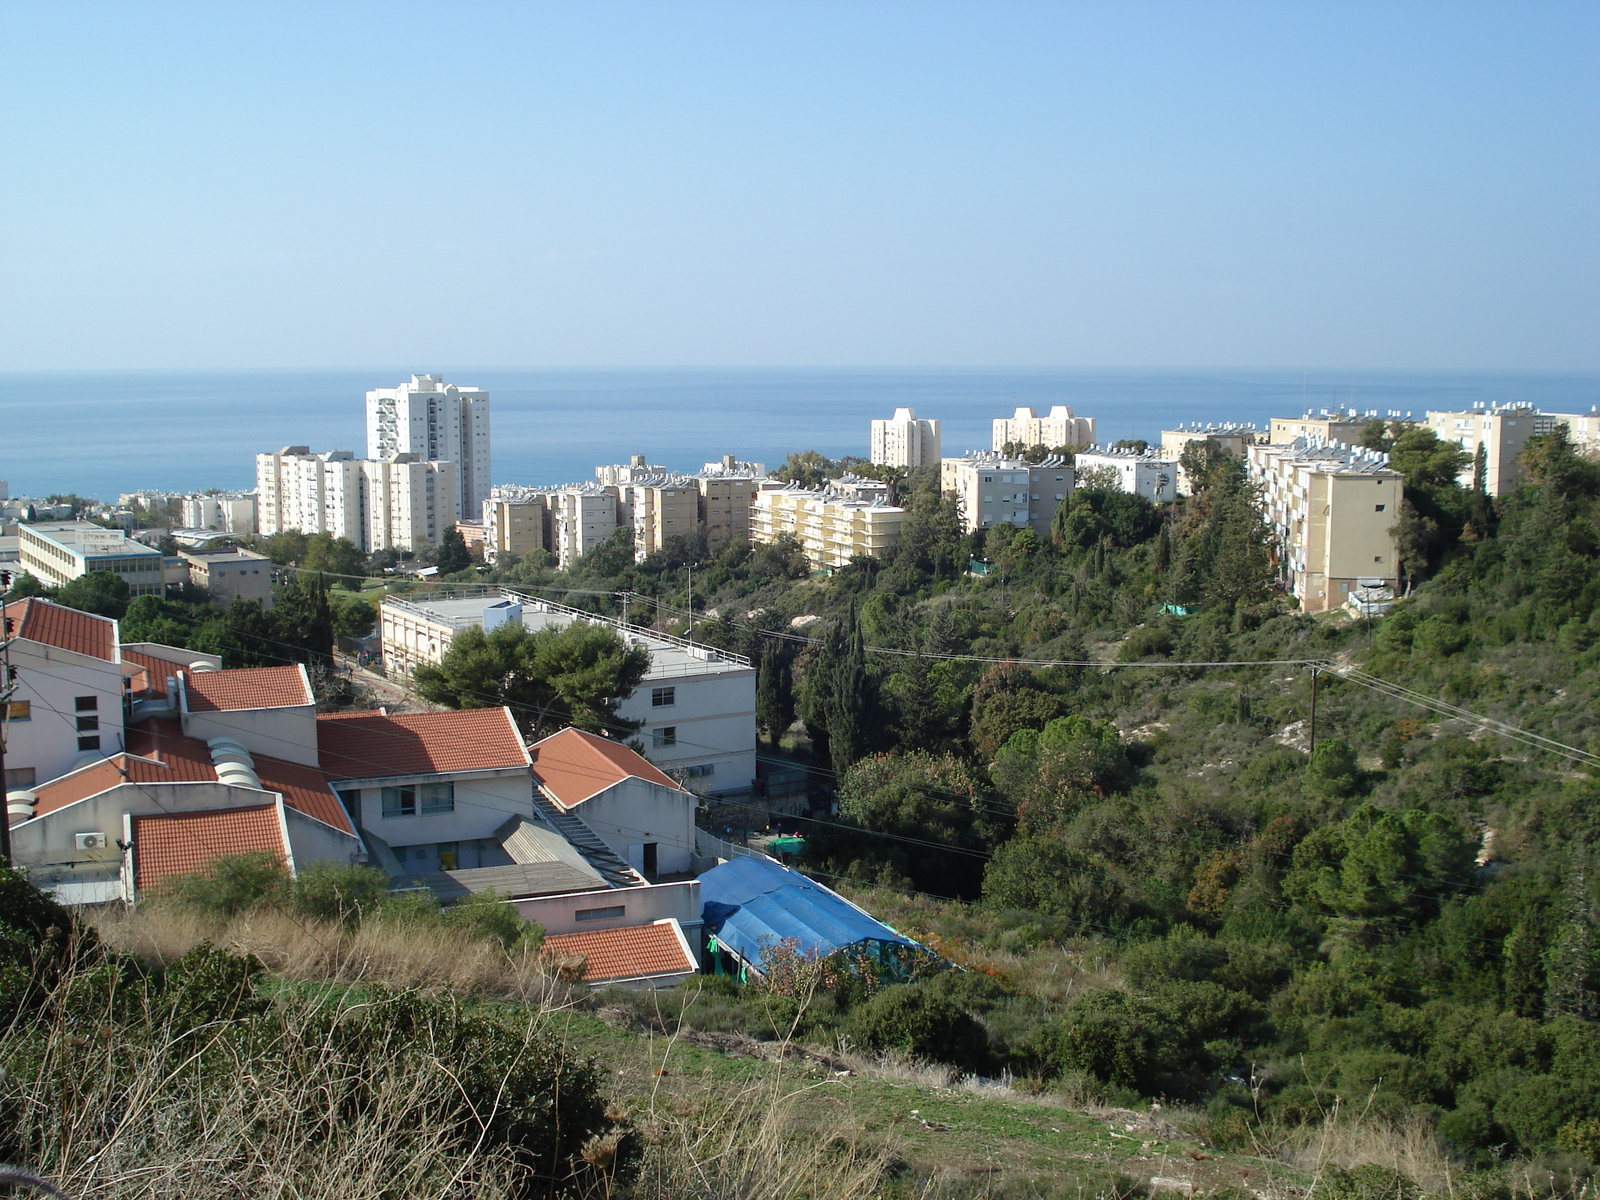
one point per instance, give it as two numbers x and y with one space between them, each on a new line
434 798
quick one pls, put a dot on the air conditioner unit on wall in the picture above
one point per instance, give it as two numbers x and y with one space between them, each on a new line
89 841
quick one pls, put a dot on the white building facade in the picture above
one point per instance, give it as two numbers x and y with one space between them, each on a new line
1156 479
905 441
436 422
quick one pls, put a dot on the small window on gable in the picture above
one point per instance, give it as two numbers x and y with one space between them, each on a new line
600 914
86 703
89 743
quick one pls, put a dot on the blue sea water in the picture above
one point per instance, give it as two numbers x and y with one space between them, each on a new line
101 433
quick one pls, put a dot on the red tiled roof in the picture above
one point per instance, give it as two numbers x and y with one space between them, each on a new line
246 687
183 843
180 759
373 745
632 952
575 766
152 674
65 628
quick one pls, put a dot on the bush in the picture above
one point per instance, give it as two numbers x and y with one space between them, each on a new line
230 885
38 939
339 893
915 1021
488 915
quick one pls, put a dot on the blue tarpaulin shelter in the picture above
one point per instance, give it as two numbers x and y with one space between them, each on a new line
751 904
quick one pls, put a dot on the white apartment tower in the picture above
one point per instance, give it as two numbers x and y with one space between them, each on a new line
1060 428
904 441
436 422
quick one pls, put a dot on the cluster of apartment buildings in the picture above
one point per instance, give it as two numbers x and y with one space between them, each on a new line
427 467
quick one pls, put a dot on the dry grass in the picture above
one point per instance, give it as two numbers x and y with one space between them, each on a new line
382 950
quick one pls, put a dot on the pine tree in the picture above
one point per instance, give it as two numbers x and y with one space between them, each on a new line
1571 960
849 703
774 689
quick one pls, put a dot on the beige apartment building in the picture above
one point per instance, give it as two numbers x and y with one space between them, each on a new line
1583 430
993 490
581 517
1501 431
725 502
409 501
832 528
514 523
657 510
1235 440
1060 428
1326 427
1333 510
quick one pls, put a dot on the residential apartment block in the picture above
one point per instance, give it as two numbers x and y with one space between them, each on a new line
1333 509
436 422
1148 475
581 517
633 471
726 497
1325 427
1501 431
696 704
656 509
905 441
514 522
994 490
1235 441
57 552
1060 428
399 501
832 524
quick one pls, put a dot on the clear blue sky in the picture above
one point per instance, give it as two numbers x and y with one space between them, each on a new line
1136 184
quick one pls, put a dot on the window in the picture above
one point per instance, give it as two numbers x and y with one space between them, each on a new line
663 697
600 914
88 724
19 777
667 735
1377 508
89 743
438 797
19 710
700 771
86 703
400 802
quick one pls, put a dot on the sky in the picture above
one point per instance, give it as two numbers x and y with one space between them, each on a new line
1366 185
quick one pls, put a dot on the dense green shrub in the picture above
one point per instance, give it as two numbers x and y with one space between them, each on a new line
921 1023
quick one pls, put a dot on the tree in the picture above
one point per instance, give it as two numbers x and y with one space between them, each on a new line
102 592
1098 509
285 547
835 698
1007 698
1198 458
336 557
153 619
1426 462
807 468
24 585
936 802
302 621
453 554
552 678
774 689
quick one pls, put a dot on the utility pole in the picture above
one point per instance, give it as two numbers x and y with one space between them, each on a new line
7 687
1313 738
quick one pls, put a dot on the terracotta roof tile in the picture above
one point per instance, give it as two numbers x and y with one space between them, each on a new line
183 843
376 745
632 952
65 628
246 687
152 674
574 766
180 759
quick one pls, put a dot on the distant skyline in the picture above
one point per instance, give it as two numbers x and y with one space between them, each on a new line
1360 186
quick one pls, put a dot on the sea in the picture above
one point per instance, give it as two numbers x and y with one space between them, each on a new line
100 434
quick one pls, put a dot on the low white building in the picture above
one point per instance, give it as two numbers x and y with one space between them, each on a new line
60 551
70 679
225 512
696 705
1156 479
